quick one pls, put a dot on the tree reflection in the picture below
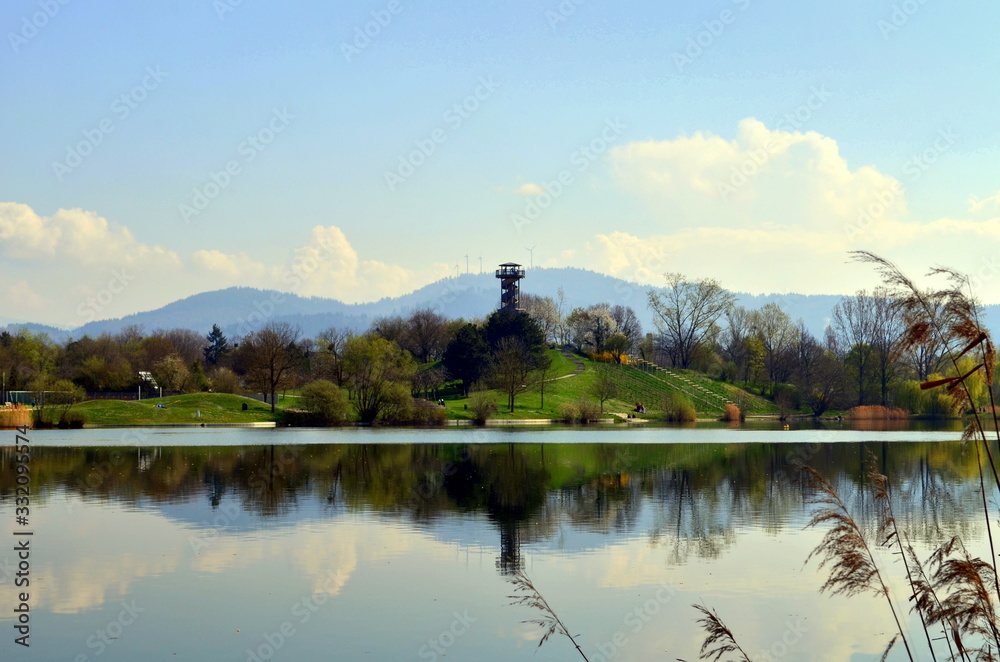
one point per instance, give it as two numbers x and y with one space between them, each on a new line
690 499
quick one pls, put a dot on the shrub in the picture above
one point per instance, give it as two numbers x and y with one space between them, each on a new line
425 412
732 413
568 412
787 399
398 405
71 420
325 401
940 405
224 380
907 394
587 410
483 405
678 409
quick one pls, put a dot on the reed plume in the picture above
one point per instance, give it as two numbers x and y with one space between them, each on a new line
527 595
719 639
844 550
951 317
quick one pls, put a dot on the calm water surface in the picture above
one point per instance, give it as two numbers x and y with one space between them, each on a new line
235 545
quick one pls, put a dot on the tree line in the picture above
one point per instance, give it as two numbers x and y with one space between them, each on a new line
381 373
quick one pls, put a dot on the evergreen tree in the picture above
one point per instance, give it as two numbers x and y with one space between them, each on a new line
218 345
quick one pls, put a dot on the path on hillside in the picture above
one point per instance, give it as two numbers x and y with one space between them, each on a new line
579 366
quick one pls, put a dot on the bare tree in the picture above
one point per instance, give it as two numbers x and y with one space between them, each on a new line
686 313
733 342
426 335
269 357
818 373
853 323
393 329
561 331
924 356
329 354
188 343
544 311
510 368
627 323
777 334
869 329
605 386
886 341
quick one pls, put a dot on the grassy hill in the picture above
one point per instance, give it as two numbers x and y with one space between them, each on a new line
214 408
633 385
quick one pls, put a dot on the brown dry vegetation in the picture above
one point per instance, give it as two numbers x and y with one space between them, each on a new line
15 417
876 413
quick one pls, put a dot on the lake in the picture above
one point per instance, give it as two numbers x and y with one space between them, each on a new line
389 544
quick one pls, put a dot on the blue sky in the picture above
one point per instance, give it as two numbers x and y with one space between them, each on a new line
742 140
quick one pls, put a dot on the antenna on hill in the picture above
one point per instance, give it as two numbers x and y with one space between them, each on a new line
466 263
480 265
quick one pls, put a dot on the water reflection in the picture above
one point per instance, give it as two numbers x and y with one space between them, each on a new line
699 492
229 524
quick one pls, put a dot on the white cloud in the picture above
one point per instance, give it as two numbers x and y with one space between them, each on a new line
75 266
990 204
763 176
327 265
237 267
529 189
72 235
776 211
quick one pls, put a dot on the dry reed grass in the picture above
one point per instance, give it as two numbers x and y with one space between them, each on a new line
15 417
877 413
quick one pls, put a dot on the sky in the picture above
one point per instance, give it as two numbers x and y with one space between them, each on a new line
358 150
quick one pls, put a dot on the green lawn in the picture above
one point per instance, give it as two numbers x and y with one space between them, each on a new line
563 388
633 386
214 408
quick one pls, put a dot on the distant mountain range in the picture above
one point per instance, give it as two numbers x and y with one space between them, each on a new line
240 309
